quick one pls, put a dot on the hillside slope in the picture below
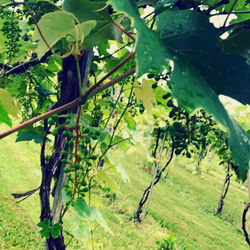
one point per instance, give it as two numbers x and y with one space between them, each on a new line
182 206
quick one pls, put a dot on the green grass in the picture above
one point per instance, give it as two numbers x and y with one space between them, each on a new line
182 206
17 230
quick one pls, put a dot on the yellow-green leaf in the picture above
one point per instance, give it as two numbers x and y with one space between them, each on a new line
105 179
57 25
8 103
145 94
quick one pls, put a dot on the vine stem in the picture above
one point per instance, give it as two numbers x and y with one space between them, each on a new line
157 164
123 30
229 13
76 143
91 89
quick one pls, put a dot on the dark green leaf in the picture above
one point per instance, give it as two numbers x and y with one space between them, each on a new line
237 43
55 230
45 225
36 134
190 36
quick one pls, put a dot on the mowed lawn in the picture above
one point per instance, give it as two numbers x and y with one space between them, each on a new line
183 206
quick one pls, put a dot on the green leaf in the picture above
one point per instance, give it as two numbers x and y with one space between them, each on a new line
151 56
45 225
83 30
192 92
54 26
81 207
4 116
78 227
55 230
119 163
57 25
86 10
130 121
30 133
189 35
105 179
237 43
97 216
145 94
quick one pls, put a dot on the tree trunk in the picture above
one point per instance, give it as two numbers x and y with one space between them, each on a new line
224 191
53 167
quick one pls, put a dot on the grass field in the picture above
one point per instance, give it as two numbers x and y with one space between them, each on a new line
182 206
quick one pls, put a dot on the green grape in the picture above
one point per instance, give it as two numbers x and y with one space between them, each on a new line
154 85
93 157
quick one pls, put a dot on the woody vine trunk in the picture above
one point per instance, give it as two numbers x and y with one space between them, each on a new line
52 167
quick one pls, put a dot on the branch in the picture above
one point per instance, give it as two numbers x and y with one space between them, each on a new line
20 68
233 12
78 101
91 89
28 193
243 24
244 223
123 30
231 9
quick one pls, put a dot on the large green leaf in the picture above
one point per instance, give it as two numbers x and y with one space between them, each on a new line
201 70
192 92
237 43
57 25
86 10
190 35
151 56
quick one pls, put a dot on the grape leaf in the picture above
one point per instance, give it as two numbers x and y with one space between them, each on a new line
145 94
237 43
8 103
31 133
81 207
97 216
131 123
105 179
4 116
151 56
45 225
55 230
57 25
190 35
86 10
